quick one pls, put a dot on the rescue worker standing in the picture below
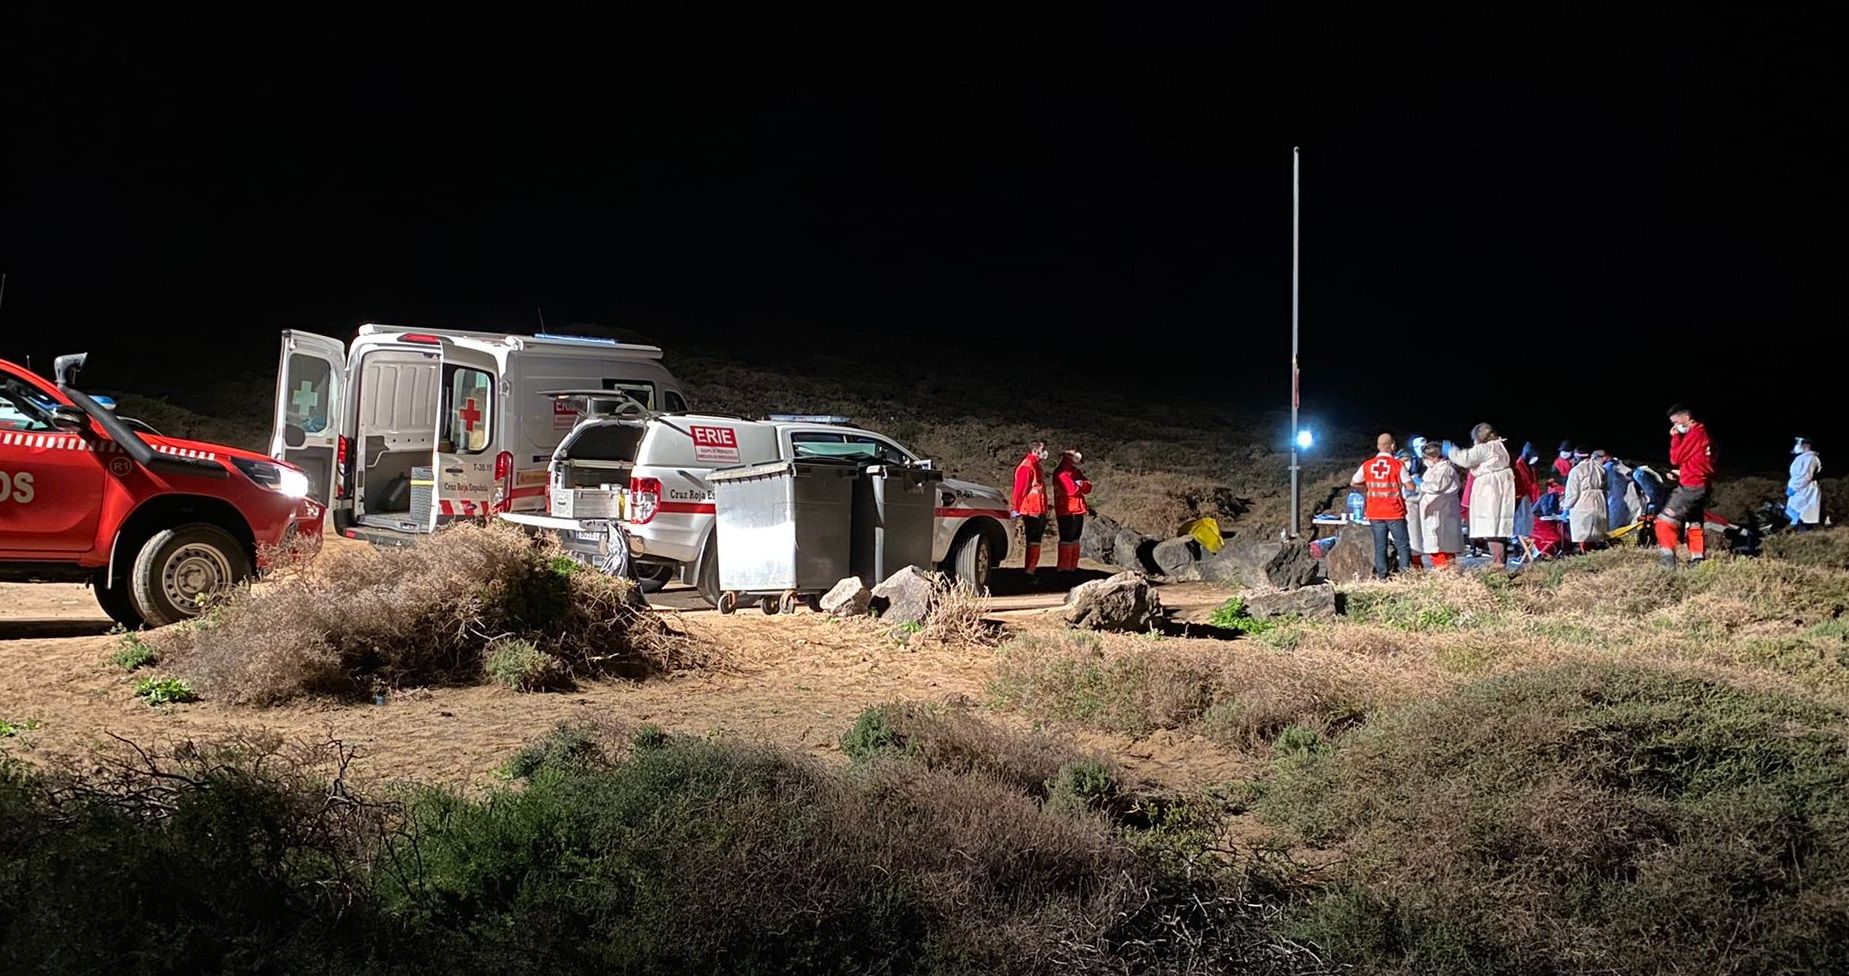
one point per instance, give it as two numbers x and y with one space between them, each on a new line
1693 456
1387 484
1029 503
1442 533
1492 490
1803 498
1070 486
1585 500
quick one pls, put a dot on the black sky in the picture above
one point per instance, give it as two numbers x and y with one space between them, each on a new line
1561 222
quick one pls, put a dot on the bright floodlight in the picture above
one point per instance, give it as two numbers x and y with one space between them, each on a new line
1304 440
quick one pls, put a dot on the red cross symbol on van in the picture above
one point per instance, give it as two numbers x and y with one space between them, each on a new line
469 414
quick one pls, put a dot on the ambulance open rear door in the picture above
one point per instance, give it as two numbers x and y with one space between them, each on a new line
310 391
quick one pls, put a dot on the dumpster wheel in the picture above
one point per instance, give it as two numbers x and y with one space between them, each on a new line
787 603
769 605
728 602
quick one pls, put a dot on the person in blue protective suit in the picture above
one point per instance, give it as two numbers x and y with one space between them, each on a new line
1803 496
1622 504
1650 488
1414 461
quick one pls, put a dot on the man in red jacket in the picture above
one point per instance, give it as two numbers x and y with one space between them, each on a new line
1693 457
1029 503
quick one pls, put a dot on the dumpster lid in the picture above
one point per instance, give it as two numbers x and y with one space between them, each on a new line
798 468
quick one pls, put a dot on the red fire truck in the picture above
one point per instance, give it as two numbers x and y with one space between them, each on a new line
154 524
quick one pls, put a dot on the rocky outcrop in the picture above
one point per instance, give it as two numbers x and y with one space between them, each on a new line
1306 601
907 596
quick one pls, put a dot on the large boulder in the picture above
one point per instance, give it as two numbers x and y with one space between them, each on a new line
1107 541
1122 602
1305 601
908 596
849 598
1262 565
1177 559
1352 556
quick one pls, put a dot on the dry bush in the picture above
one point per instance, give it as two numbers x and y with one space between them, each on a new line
960 618
1583 818
370 617
950 736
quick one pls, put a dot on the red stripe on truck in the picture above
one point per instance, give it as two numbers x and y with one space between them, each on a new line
994 513
687 508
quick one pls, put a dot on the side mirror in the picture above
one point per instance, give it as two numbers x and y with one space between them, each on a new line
67 417
926 464
294 436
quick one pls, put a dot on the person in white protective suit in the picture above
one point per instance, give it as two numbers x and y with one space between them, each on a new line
1803 496
1492 493
1440 514
1585 500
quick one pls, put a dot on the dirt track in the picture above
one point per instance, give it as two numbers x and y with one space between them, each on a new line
798 681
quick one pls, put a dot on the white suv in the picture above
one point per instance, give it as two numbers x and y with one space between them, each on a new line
661 462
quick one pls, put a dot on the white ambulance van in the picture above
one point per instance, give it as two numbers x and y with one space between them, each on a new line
407 428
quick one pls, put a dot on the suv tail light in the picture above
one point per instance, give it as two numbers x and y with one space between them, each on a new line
503 481
644 499
342 474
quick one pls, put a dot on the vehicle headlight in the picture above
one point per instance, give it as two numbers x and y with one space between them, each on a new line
275 477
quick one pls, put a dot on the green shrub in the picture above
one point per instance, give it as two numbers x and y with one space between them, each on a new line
567 746
164 691
132 652
514 662
872 736
10 729
1084 784
1233 615
1582 817
1069 677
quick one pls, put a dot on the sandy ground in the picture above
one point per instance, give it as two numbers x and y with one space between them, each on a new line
798 681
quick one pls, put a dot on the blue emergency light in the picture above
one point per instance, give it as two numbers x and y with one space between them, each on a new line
809 418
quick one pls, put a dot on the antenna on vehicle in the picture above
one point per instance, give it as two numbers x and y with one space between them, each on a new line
3 304
542 317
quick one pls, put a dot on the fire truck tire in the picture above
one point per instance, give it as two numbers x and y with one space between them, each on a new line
117 601
179 568
971 560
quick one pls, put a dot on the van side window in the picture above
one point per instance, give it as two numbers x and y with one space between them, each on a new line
309 401
468 410
675 403
642 390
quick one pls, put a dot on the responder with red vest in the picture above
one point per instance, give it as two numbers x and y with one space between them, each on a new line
1070 486
1692 456
1387 483
1029 503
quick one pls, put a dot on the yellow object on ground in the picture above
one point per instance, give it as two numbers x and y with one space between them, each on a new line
1622 531
1205 531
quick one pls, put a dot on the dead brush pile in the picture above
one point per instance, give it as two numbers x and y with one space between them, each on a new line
369 618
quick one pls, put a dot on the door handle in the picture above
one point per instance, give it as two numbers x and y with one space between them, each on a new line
452 470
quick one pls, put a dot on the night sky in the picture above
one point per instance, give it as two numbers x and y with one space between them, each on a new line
1561 225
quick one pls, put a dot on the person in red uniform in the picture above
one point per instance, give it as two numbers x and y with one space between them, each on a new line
1029 503
1387 483
1692 456
1070 486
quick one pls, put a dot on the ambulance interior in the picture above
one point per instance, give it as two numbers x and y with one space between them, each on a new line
399 399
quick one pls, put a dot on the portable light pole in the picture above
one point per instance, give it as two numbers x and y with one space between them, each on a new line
1298 438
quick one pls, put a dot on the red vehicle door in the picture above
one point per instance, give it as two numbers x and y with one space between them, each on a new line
51 479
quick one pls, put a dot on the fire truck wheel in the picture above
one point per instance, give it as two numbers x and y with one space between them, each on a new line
180 568
117 601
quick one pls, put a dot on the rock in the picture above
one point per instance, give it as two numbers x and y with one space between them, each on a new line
1122 602
908 596
1352 557
849 598
1177 559
1113 544
1241 562
1293 567
1305 601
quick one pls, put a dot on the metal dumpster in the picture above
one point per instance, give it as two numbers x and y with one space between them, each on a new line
895 520
784 529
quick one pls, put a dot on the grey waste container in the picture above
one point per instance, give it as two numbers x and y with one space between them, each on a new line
784 529
895 519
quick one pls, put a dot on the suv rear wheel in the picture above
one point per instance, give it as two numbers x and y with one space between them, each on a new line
180 568
971 560
708 580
